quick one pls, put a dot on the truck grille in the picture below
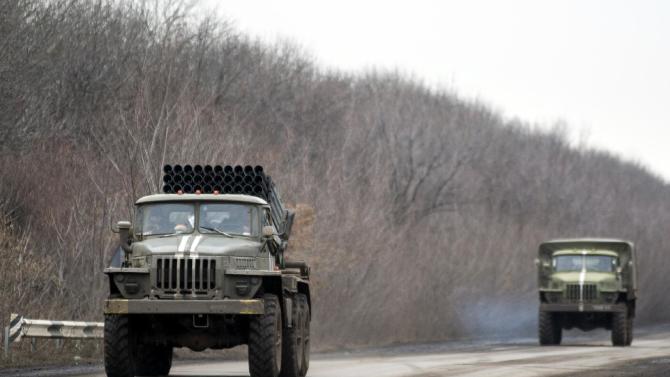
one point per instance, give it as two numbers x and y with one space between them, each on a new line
244 263
586 292
185 275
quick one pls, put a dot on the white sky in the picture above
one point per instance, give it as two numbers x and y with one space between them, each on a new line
603 66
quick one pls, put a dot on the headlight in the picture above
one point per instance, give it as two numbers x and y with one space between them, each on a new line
554 297
608 296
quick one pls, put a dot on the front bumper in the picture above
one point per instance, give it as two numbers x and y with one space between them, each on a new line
601 308
146 306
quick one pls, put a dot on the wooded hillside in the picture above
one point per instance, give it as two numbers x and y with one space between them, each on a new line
425 208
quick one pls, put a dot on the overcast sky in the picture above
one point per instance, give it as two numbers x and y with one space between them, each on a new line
602 66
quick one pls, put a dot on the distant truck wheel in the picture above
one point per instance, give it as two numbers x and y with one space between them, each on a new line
265 340
119 347
620 330
629 340
292 353
549 330
306 318
153 360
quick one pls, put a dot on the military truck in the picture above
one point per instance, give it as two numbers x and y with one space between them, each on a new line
202 266
586 284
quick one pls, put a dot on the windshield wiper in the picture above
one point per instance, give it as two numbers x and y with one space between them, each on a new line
221 232
171 234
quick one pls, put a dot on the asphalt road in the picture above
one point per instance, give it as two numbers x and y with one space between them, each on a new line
591 356
596 358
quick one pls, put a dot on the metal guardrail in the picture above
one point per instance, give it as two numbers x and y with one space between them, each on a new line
20 327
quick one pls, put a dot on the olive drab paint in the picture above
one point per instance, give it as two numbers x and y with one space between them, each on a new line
586 284
202 266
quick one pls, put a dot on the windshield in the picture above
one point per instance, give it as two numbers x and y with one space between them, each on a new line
230 218
166 218
593 263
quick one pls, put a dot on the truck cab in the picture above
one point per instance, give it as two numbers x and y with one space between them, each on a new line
198 246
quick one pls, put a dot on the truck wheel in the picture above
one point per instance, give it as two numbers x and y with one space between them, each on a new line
119 347
292 353
265 340
306 318
629 340
619 329
549 330
153 360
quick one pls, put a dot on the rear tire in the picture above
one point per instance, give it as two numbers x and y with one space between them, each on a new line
292 353
306 318
265 340
119 345
629 341
153 360
550 332
620 330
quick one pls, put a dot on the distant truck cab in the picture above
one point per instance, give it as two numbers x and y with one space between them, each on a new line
586 284
202 266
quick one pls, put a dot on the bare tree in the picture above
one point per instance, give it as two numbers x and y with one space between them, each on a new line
420 206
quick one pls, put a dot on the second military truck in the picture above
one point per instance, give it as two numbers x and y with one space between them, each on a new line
587 284
202 266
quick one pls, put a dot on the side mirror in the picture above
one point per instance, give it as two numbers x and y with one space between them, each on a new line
542 263
619 270
268 231
121 225
123 228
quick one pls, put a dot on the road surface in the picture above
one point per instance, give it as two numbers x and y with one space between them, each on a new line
579 356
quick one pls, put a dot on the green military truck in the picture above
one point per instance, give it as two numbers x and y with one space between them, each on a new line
202 266
586 284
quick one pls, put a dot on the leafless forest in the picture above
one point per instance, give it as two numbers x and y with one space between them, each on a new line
419 211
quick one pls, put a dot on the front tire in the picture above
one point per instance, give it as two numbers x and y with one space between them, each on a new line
550 332
629 341
153 360
119 345
620 329
265 340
